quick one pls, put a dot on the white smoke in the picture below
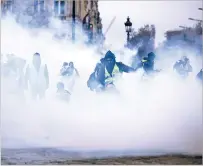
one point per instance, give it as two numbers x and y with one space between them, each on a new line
163 115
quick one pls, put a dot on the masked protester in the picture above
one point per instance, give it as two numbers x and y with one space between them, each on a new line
37 77
109 71
183 67
147 63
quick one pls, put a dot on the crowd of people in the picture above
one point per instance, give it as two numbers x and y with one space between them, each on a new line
108 70
34 77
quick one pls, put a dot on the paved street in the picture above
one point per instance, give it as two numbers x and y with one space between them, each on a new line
54 156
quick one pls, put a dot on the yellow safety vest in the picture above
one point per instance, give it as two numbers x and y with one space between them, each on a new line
110 79
143 60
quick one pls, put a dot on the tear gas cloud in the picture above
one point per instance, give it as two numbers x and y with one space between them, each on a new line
163 115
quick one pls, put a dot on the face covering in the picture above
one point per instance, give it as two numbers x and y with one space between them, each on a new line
110 65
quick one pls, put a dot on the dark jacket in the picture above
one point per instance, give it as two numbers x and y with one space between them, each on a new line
98 76
147 65
108 62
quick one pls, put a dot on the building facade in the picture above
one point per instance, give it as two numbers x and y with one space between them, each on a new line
86 11
188 36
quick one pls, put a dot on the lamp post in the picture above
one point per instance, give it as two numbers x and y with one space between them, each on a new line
128 28
73 21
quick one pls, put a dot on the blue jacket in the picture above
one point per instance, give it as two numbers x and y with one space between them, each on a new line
147 65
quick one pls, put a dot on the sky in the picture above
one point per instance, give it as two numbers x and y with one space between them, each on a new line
166 15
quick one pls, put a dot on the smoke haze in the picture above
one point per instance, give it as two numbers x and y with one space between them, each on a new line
163 115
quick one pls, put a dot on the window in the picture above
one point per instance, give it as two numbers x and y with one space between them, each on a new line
8 5
35 6
80 8
56 7
59 7
62 8
91 5
39 6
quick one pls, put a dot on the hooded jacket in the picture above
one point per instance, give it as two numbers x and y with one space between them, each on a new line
147 63
100 74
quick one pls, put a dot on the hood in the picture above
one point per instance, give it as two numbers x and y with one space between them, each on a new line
109 54
151 56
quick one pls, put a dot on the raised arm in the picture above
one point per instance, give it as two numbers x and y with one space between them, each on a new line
125 68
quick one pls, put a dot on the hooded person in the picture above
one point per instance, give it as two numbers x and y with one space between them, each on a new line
147 63
68 75
37 77
63 70
72 70
110 70
183 67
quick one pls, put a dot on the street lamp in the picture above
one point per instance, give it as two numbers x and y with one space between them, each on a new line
128 28
73 21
